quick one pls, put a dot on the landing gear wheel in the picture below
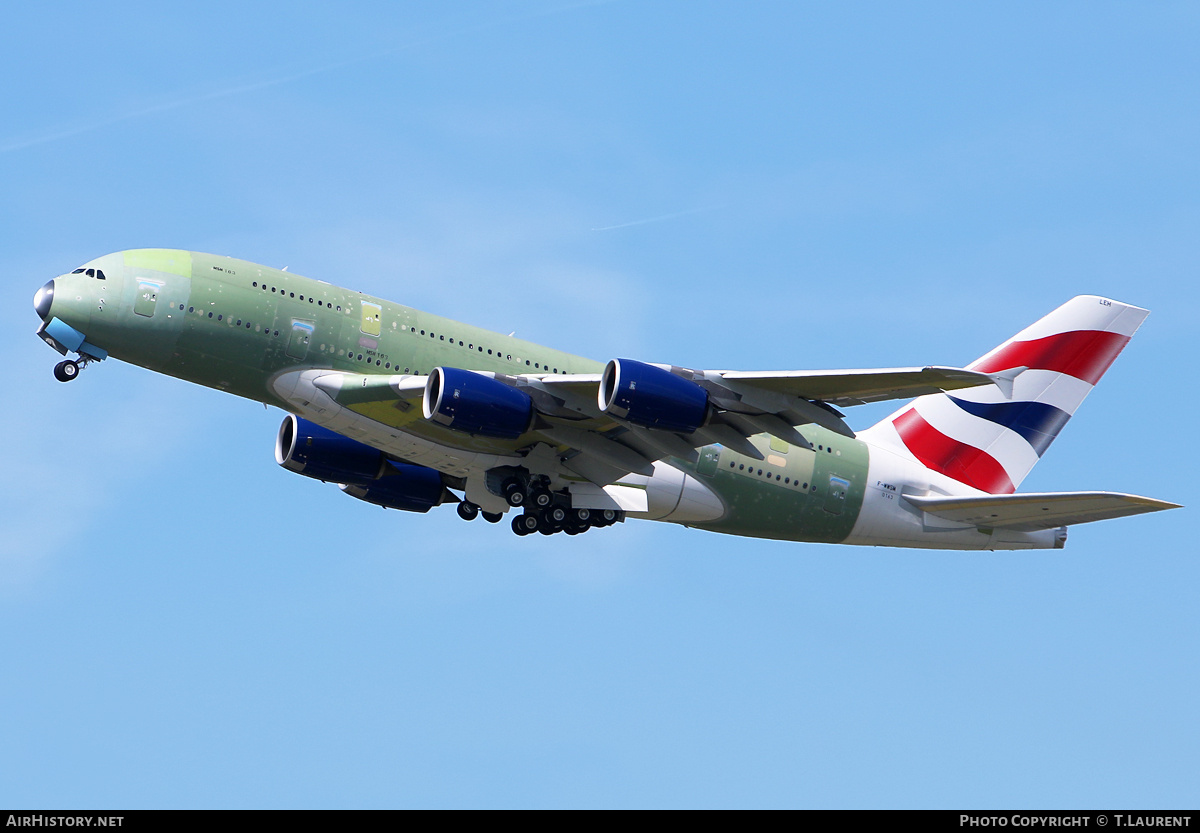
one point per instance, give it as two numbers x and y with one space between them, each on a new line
552 520
529 523
607 517
66 371
583 517
519 527
513 492
493 517
541 498
468 511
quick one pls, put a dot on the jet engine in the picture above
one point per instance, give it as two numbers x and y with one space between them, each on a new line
407 487
649 396
363 472
308 449
476 404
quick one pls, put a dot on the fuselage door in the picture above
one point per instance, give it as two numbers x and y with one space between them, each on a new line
147 297
835 498
302 331
710 455
371 319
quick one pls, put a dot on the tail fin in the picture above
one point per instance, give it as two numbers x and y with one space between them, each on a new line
990 440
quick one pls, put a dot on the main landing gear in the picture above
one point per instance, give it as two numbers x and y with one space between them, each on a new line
544 511
560 519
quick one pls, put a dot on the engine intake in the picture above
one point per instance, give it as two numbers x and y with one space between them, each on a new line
362 471
308 449
476 404
649 396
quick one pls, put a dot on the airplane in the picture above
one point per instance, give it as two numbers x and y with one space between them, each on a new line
409 411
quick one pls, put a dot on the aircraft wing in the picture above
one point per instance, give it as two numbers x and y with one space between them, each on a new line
845 388
1034 511
604 445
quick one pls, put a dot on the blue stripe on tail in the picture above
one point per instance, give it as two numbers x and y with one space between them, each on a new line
1037 422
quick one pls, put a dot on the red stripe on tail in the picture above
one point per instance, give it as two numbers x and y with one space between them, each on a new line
963 462
1084 354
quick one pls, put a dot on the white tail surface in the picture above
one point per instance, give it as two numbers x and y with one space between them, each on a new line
988 437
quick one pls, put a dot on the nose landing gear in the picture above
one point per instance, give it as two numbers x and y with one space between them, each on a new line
67 370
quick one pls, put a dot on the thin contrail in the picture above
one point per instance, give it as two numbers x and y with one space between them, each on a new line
167 105
658 219
286 79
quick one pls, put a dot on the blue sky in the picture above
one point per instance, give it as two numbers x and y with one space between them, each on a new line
759 186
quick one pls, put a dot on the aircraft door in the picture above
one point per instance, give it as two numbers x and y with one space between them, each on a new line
710 455
302 331
371 319
147 297
835 498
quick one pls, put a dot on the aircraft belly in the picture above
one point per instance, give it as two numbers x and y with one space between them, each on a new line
676 496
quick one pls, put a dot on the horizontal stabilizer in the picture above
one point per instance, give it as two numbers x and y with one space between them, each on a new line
1033 511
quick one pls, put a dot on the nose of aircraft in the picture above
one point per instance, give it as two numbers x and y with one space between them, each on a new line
43 299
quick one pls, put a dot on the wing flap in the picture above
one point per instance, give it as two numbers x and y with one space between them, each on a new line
595 444
1033 511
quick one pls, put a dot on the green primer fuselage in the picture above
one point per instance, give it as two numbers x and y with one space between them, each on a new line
235 326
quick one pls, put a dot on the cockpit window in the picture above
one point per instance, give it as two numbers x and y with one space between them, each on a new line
100 274
78 271
91 273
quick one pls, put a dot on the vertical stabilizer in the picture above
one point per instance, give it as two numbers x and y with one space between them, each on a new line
990 437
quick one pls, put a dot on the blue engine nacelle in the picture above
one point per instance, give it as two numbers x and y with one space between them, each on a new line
407 487
308 449
363 472
652 397
476 404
